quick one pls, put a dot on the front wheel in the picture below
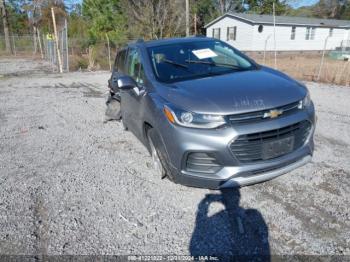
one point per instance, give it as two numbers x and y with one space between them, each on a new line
158 165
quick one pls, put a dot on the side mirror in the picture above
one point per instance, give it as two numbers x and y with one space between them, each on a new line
126 83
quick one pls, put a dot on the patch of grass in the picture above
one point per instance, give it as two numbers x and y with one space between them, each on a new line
306 67
78 62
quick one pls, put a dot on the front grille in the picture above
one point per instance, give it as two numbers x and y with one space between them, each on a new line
259 115
250 148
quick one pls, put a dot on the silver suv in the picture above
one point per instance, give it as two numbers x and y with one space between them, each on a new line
209 115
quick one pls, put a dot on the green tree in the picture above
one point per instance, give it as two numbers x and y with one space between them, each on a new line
205 11
332 9
266 6
18 19
104 17
78 25
345 12
152 19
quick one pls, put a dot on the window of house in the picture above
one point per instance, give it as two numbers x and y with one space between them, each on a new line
310 33
216 33
313 33
260 28
307 36
330 32
135 68
231 33
292 36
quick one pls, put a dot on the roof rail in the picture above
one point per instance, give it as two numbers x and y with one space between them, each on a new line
197 36
136 41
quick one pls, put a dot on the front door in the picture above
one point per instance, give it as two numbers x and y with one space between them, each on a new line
131 99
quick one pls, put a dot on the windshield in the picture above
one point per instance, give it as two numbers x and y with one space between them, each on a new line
183 61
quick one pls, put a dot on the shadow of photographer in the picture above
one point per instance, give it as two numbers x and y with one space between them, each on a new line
234 231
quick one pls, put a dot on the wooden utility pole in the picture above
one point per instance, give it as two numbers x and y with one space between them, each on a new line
109 53
39 40
56 40
5 22
187 17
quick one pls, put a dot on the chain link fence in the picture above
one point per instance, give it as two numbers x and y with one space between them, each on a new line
330 64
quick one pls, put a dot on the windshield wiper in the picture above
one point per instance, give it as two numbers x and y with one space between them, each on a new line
174 63
215 64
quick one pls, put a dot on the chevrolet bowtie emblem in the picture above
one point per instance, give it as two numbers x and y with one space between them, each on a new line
273 113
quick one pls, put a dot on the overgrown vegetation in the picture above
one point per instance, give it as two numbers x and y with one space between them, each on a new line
125 19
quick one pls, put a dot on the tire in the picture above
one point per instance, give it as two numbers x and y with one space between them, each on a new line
159 158
113 110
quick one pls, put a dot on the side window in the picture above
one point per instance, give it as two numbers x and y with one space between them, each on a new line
115 67
292 36
121 61
216 33
134 67
313 33
310 33
330 32
231 33
307 36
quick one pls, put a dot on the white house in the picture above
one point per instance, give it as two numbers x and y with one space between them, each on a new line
252 32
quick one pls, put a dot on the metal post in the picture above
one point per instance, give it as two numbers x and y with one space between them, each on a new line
66 35
274 33
267 39
63 53
322 59
187 18
45 47
39 39
14 45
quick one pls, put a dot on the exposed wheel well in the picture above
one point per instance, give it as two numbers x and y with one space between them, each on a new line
146 126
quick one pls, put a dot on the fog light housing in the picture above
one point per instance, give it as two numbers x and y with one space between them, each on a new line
201 162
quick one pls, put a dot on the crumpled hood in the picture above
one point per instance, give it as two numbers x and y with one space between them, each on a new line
234 93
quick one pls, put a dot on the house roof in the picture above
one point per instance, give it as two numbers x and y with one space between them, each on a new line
284 20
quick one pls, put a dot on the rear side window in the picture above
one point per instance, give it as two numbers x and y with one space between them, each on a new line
120 61
115 67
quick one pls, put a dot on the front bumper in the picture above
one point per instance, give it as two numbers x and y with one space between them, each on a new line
179 142
249 180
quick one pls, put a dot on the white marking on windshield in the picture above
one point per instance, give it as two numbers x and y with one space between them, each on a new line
204 53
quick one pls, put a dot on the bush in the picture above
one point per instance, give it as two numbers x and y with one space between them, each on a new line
78 62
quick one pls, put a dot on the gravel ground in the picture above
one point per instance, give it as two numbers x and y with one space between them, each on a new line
70 184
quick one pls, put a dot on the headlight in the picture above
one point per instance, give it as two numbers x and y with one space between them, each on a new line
190 119
305 102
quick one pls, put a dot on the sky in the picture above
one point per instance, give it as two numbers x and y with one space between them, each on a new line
300 3
295 4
